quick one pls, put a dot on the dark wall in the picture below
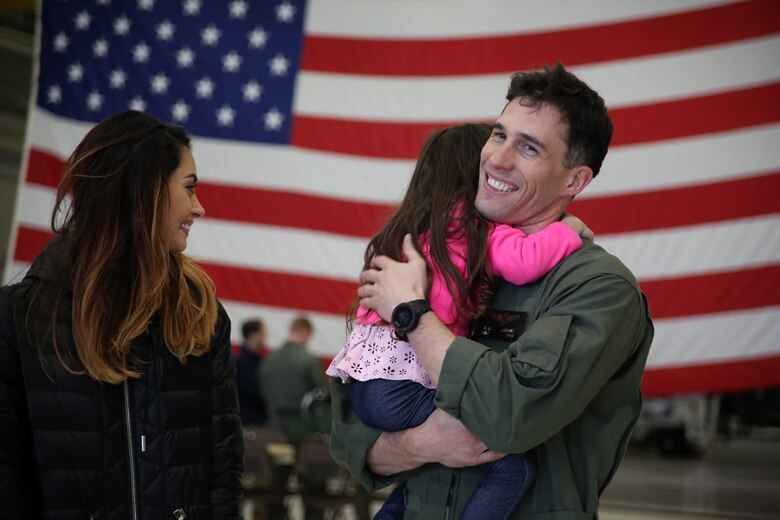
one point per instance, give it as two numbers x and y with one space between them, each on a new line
16 52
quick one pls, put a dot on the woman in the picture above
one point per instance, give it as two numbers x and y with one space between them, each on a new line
117 393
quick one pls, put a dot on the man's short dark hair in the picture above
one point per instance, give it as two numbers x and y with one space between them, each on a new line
249 327
583 110
301 323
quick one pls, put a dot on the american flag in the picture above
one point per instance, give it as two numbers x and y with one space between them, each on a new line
308 116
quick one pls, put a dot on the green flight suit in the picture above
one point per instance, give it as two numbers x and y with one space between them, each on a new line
286 376
567 388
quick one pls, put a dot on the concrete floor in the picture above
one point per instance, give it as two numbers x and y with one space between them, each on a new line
735 480
632 514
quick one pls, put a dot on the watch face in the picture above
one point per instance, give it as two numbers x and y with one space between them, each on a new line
403 317
407 315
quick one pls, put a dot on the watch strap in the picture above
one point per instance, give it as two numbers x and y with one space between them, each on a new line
406 316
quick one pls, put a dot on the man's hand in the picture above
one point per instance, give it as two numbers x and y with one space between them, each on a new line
444 439
441 438
389 283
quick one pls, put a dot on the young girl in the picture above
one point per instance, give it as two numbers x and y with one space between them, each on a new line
389 389
117 392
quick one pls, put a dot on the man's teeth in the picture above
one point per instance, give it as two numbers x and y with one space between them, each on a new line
498 185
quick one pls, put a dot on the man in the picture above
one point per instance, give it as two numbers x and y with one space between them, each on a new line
559 361
248 360
287 375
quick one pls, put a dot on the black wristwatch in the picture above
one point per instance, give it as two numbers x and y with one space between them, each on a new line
406 316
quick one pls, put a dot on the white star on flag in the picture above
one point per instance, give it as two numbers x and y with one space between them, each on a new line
285 12
180 111
273 119
141 53
204 87
278 65
82 21
122 26
252 91
117 78
137 103
54 94
185 57
60 42
191 7
231 62
210 36
258 38
165 31
238 9
225 116
94 100
75 72
100 48
160 83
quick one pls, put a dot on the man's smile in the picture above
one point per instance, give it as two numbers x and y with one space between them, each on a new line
499 185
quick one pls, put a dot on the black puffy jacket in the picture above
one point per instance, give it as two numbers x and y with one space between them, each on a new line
165 446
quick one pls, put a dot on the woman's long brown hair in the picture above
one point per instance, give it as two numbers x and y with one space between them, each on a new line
114 200
445 179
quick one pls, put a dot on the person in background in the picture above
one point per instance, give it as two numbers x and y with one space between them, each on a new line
117 388
248 360
552 367
287 375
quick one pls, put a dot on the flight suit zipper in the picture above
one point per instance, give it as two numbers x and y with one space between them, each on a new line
130 455
449 512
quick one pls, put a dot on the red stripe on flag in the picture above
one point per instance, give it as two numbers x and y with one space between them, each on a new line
44 168
716 377
30 242
713 202
677 297
606 215
296 210
363 138
292 291
713 378
489 55
633 212
637 124
701 115
711 293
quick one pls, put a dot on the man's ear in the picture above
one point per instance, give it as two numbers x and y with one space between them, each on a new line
581 177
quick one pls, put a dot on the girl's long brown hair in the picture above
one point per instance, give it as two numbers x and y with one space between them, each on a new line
445 179
114 200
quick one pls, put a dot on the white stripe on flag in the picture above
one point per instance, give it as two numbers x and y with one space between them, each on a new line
728 336
466 18
666 77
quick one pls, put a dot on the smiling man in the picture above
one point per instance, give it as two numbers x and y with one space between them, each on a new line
553 367
525 177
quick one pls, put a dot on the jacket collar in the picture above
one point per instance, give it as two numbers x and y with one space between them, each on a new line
51 264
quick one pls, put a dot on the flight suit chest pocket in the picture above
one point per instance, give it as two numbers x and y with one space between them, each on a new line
542 346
